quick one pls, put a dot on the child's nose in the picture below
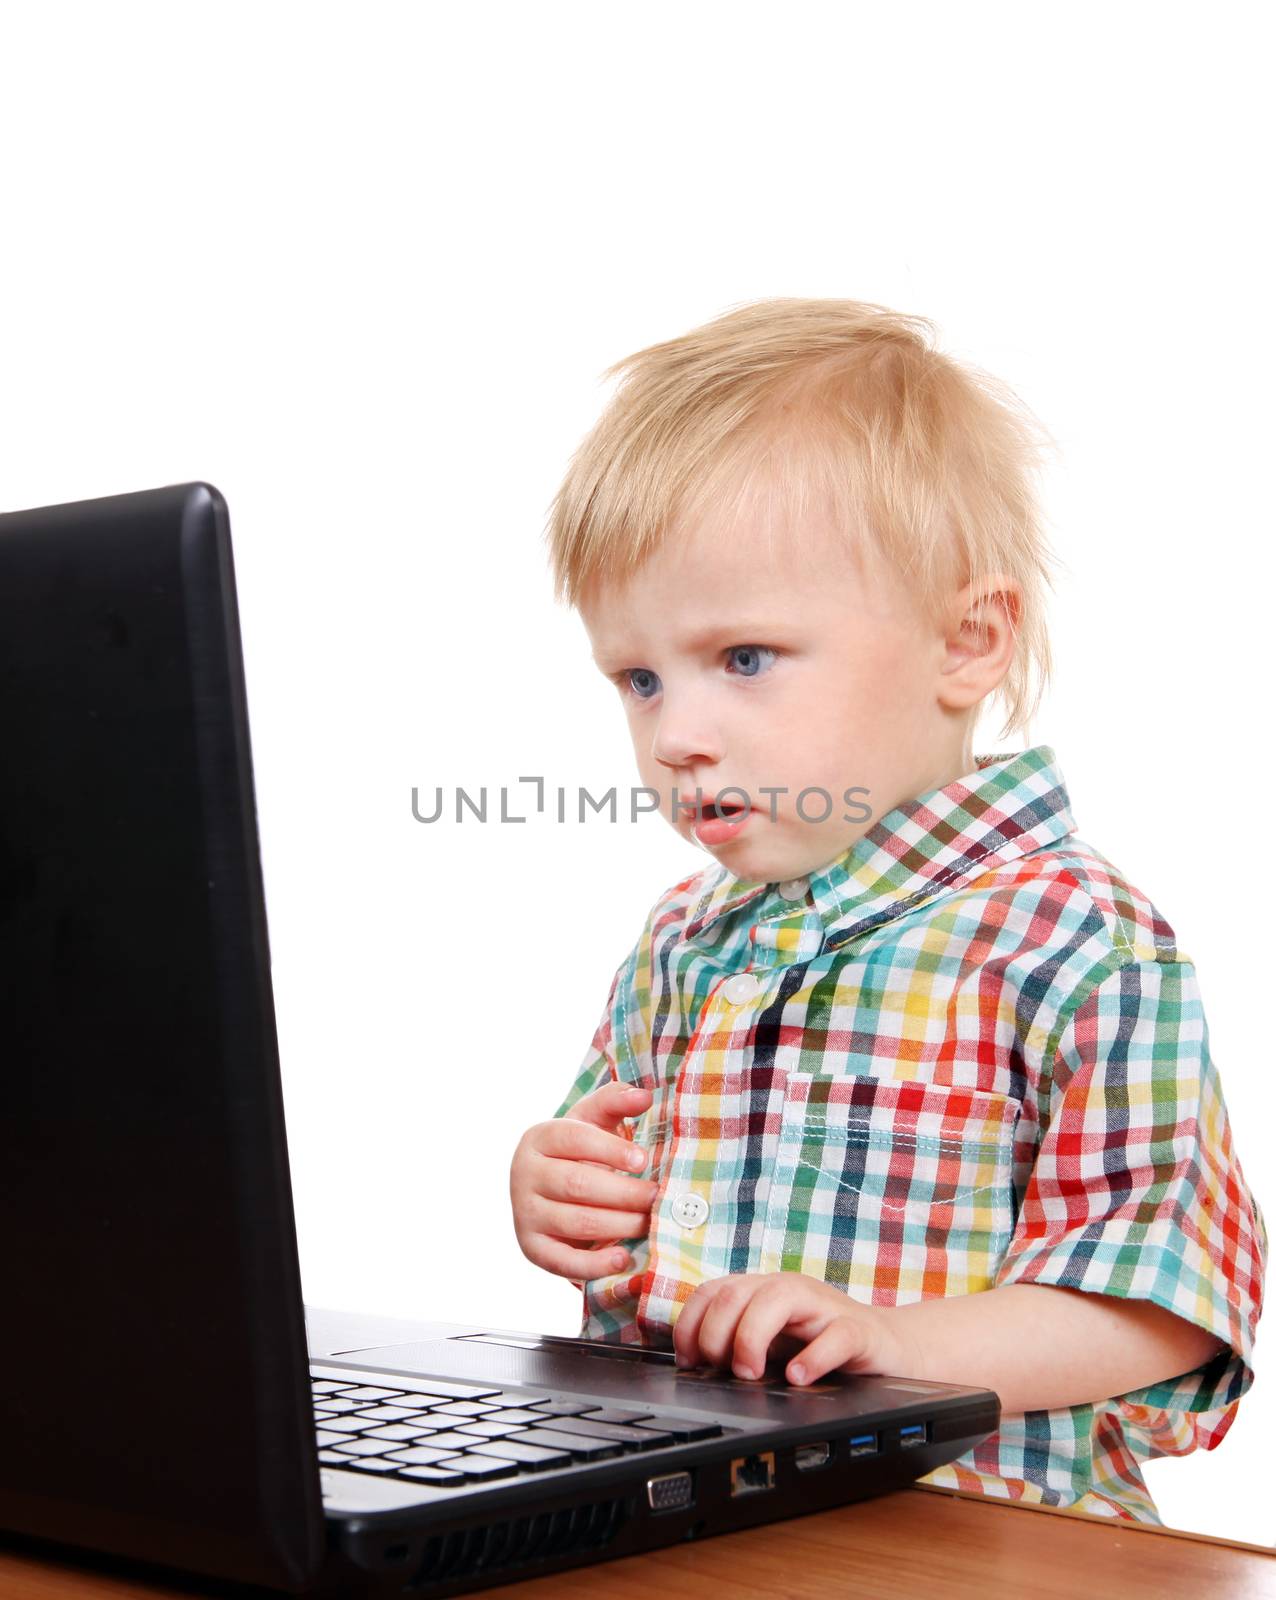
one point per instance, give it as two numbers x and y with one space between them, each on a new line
684 736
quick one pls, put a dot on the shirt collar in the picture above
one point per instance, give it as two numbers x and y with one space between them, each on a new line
1011 805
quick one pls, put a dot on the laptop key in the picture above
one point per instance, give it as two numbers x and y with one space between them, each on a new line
479 1469
392 1430
580 1448
489 1430
680 1429
324 1437
354 1424
438 1476
326 1386
639 1438
419 1455
370 1464
335 1404
606 1414
515 1414
563 1408
452 1439
390 1413
535 1456
363 1447
330 1458
367 1393
465 1408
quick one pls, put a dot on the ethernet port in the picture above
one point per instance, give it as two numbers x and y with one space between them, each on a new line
753 1474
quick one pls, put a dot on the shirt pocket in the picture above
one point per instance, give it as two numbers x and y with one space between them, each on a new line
894 1190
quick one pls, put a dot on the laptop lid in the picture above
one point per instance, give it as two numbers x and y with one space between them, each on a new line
154 1399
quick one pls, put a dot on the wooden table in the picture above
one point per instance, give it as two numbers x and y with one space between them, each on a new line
919 1541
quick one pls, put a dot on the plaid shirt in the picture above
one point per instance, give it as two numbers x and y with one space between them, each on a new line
965 1053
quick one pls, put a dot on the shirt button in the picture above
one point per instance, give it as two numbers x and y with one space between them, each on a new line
792 889
690 1210
744 986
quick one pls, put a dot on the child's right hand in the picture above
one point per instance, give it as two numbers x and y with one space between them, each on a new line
568 1184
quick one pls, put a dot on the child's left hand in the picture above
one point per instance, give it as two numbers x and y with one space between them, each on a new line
733 1322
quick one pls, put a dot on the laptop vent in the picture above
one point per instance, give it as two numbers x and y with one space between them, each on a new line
502 1546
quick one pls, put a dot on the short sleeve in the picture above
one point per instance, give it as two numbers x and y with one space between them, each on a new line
599 1065
1136 1190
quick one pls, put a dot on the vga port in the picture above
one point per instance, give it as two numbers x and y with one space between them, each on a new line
672 1492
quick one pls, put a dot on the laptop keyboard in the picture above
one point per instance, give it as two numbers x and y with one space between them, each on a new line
465 1434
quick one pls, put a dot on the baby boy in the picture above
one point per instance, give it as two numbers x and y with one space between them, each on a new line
909 1079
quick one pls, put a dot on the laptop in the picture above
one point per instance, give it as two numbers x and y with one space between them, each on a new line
161 1402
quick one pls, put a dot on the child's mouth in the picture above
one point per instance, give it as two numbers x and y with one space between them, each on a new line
714 823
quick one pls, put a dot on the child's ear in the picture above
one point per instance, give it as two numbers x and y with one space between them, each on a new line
979 643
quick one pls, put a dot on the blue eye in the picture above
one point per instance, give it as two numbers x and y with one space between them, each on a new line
642 681
748 661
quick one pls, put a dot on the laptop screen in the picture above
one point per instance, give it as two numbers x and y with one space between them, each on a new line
156 1400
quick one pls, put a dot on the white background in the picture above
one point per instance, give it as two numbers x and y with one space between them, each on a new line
360 266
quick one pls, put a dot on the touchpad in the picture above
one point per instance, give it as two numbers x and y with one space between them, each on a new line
512 1358
572 1365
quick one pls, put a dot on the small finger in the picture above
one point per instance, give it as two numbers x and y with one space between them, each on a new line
609 1106
587 1222
837 1346
581 1141
687 1328
586 1184
570 1261
717 1331
763 1320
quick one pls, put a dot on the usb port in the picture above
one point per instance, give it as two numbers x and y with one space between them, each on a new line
863 1444
914 1433
811 1457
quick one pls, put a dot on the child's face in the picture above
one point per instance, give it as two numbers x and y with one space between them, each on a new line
739 670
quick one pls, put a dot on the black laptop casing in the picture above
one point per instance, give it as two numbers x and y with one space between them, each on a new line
155 1400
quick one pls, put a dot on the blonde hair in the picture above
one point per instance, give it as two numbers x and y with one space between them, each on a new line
832 402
